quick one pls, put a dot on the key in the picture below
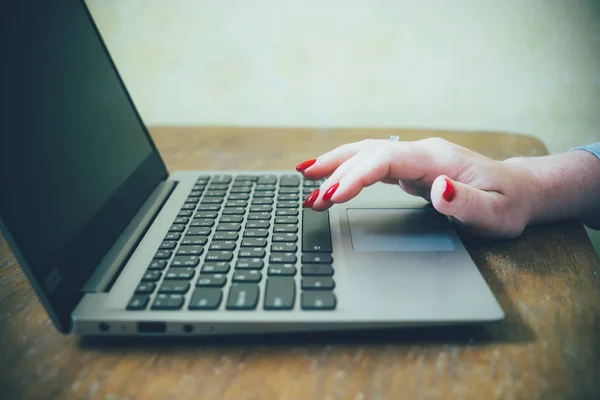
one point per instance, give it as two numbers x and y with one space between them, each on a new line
221 179
213 255
288 204
202 223
145 288
316 235
254 242
285 237
173 236
226 236
180 273
312 258
251 178
192 199
194 250
283 258
205 299
174 286
259 216
285 228
138 302
234 211
206 214
266 194
261 209
185 261
220 267
212 200
218 187
177 228
281 270
229 227
236 203
223 245
209 207
318 300
158 264
280 293
265 201
324 283
241 189
264 188
194 240
317 270
247 276
188 206
185 213
181 220
286 212
215 280
251 263
288 190
198 232
284 248
267 180
262 233
288 197
195 193
252 253
286 220
241 196
167 245
215 193
231 219
151 276
289 181
242 296
259 224
163 254
168 302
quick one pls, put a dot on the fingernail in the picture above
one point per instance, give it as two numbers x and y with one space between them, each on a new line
305 164
329 192
449 193
310 200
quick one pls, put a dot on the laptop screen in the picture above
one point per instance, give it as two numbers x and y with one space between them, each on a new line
75 159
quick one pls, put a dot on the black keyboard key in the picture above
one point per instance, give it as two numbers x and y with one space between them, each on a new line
221 179
174 286
206 214
267 180
223 245
180 273
241 189
247 276
318 300
173 236
288 197
253 216
231 218
289 181
194 240
260 233
285 237
163 254
242 296
226 236
252 253
220 267
258 224
215 193
284 248
209 207
318 283
211 280
177 228
317 270
198 232
261 209
286 212
287 204
188 206
316 235
239 196
218 186
281 270
185 261
211 200
254 242
216 255
167 245
202 223
205 299
151 276
251 178
236 203
283 258
265 201
193 200
181 220
264 195
280 293
229 227
234 211
157 265
190 251
168 302
185 213
145 288
138 302
286 220
285 228
316 258
250 263
265 188
288 190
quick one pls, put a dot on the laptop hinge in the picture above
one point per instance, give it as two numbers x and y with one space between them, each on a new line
111 265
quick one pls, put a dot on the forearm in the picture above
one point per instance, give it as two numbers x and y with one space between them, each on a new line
568 187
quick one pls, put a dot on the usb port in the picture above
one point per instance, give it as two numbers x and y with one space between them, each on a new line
151 327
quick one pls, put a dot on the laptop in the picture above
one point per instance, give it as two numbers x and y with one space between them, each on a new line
114 244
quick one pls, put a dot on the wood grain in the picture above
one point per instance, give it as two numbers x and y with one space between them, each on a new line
547 281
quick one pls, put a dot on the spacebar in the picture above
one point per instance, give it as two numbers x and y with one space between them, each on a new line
316 234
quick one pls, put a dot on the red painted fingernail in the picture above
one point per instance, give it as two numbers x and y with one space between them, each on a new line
310 200
329 192
449 193
305 164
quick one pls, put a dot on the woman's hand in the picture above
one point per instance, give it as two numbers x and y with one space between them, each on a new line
484 196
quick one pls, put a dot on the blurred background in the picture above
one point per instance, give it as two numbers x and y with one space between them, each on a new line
530 67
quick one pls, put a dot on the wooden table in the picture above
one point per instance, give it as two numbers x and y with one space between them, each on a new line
547 281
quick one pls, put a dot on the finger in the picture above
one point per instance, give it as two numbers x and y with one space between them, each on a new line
327 163
414 189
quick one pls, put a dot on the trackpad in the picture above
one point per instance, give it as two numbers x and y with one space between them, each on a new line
397 230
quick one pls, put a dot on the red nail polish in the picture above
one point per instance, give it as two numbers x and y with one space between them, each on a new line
449 193
310 200
329 192
305 164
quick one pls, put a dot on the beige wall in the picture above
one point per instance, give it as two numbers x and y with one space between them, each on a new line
521 66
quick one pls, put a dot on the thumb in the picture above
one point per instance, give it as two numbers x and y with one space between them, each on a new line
472 207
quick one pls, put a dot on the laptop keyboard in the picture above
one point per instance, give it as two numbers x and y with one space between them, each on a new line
232 234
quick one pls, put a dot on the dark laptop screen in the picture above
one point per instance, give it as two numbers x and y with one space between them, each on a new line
72 148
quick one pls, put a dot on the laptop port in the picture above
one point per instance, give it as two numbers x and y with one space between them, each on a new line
151 327
103 327
187 328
